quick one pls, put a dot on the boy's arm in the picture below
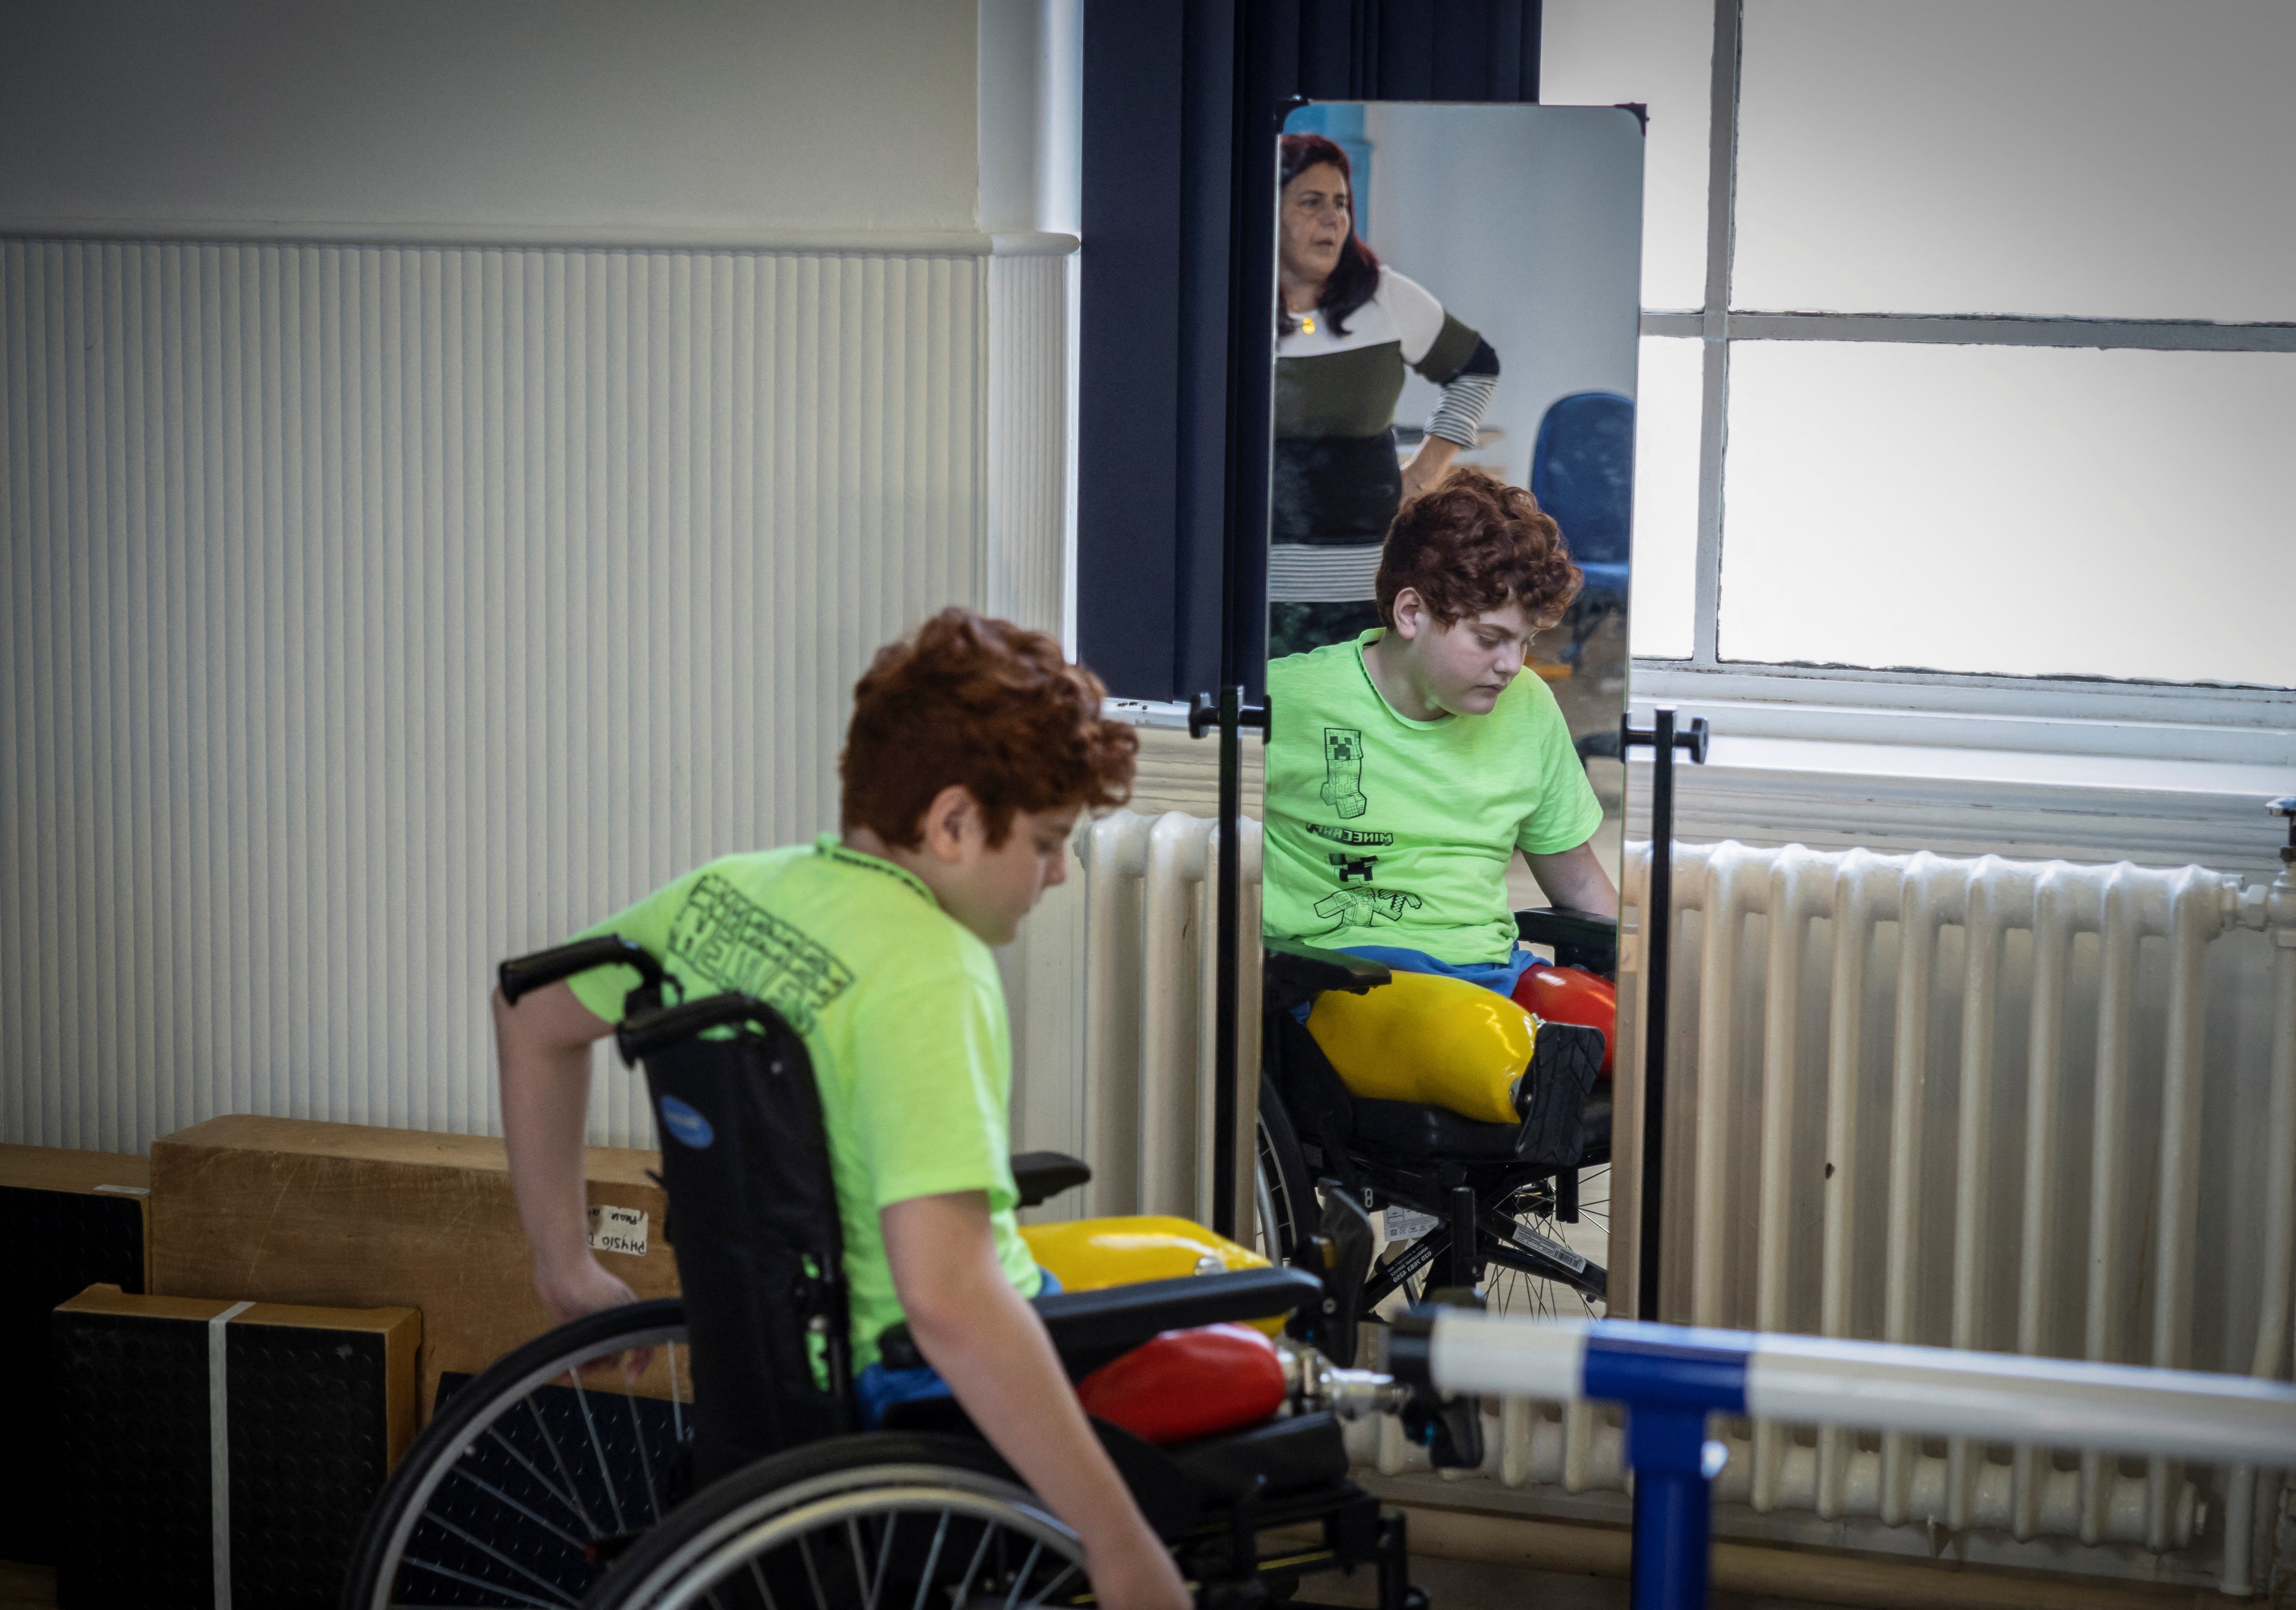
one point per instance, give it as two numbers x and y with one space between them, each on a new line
1573 877
993 1350
544 1046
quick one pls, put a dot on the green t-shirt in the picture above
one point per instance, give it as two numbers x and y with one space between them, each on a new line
901 1009
1385 831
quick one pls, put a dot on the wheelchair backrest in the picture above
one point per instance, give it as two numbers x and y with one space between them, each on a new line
760 1248
753 1213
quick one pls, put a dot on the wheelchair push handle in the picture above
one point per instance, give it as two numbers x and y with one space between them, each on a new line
648 1032
523 974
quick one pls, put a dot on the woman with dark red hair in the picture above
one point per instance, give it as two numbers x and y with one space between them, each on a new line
1346 330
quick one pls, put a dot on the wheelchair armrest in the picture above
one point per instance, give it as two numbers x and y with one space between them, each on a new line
1591 940
1607 745
1565 925
1043 1175
1091 1328
1296 972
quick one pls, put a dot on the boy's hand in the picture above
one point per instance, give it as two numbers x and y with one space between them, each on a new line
580 1288
584 1286
1140 1576
993 1350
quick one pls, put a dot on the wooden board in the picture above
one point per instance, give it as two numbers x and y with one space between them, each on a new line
60 1168
290 1210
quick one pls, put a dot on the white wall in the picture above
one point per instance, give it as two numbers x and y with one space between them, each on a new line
1526 223
456 460
1031 115
675 114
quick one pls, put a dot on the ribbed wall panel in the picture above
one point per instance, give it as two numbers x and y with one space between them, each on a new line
374 613
1029 299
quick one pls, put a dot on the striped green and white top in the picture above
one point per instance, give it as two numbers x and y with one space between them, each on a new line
1337 482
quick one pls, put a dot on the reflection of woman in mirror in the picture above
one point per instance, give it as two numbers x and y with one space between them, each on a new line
1409 765
1347 329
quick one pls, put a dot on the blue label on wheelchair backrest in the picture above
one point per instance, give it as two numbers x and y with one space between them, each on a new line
687 1125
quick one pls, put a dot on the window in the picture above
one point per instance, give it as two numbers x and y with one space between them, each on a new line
1986 393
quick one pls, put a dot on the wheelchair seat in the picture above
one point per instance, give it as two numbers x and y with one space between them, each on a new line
1179 1488
1481 1182
1409 1132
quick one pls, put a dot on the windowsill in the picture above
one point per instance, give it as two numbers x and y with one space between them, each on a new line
2252 727
1936 764
1954 800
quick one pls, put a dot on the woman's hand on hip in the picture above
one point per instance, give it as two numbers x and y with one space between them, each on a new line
1428 466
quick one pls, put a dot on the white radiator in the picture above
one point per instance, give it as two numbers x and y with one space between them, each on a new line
1149 1036
2034 1107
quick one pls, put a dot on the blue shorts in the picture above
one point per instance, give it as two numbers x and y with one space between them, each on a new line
879 1388
1498 976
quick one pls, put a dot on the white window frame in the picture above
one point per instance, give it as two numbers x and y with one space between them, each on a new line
2154 720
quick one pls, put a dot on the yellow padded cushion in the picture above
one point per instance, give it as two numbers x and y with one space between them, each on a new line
1086 1254
1424 1038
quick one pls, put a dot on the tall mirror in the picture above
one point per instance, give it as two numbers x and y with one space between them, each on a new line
1448 568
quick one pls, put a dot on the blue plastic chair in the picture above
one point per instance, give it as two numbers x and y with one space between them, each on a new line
1582 472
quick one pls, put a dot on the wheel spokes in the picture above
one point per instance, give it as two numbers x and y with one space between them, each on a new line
512 1516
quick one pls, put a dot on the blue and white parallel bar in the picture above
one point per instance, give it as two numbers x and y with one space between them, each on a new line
1933 1391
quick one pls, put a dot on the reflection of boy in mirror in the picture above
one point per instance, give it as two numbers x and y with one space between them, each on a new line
1347 330
1409 765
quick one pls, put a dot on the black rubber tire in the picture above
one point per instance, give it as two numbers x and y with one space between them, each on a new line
1284 1168
861 1451
592 1335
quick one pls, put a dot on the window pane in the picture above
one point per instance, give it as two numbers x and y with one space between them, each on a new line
2023 510
1608 53
1665 498
2106 159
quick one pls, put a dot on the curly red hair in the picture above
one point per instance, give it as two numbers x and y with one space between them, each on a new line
985 704
1473 543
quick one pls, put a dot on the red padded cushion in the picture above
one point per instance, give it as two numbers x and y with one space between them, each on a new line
1568 994
1188 1383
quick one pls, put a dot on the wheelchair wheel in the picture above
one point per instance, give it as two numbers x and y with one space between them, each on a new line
878 1518
1283 1193
536 1472
1547 1266
1511 1290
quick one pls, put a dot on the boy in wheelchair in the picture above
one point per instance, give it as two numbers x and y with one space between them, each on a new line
972 750
1406 769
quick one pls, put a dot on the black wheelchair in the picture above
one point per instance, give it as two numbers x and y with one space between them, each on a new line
706 1449
1481 1203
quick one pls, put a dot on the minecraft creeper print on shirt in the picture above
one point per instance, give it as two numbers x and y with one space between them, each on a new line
1363 908
1342 788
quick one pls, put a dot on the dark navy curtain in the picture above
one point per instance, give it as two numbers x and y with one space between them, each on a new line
1182 103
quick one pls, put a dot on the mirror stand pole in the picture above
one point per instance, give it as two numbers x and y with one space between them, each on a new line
1658 924
1231 714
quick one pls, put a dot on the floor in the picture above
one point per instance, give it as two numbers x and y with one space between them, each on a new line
26 1587
1465 1585
1450 1585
